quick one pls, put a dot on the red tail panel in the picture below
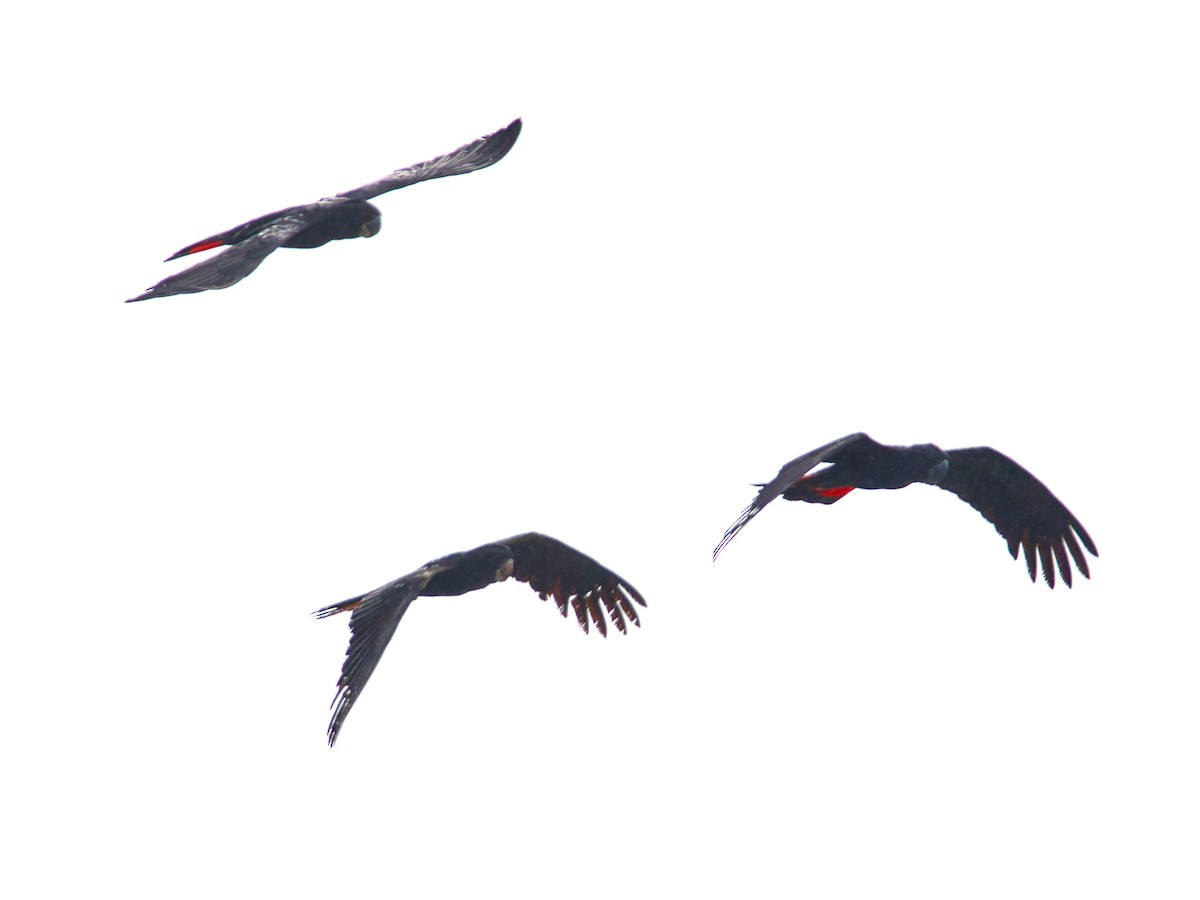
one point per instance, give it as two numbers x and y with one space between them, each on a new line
833 493
200 247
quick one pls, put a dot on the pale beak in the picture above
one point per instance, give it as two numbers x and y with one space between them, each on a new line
938 472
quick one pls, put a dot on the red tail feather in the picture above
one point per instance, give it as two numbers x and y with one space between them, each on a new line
834 493
198 247
202 246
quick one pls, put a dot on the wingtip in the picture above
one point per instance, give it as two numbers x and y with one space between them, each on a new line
505 139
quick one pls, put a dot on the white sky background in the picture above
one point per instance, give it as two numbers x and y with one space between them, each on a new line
727 234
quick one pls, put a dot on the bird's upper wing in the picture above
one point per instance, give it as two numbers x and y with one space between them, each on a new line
793 470
556 570
479 154
1023 510
374 617
230 266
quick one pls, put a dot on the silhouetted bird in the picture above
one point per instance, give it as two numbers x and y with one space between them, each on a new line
348 215
549 566
1023 510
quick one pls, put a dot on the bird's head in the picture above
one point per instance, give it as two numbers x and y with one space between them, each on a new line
371 227
505 570
494 559
933 461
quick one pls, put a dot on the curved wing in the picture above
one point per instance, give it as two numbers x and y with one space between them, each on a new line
791 471
554 569
374 617
230 266
1024 511
479 154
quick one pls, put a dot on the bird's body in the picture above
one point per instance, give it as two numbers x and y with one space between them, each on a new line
1023 510
473 570
347 215
870 467
549 566
329 219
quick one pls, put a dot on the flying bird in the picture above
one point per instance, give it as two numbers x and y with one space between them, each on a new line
347 215
549 566
1023 510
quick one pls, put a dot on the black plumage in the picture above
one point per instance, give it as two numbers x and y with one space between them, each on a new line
347 215
1023 510
547 565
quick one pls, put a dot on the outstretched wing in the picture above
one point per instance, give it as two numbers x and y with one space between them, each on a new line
792 471
573 579
228 267
1023 510
373 620
479 154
